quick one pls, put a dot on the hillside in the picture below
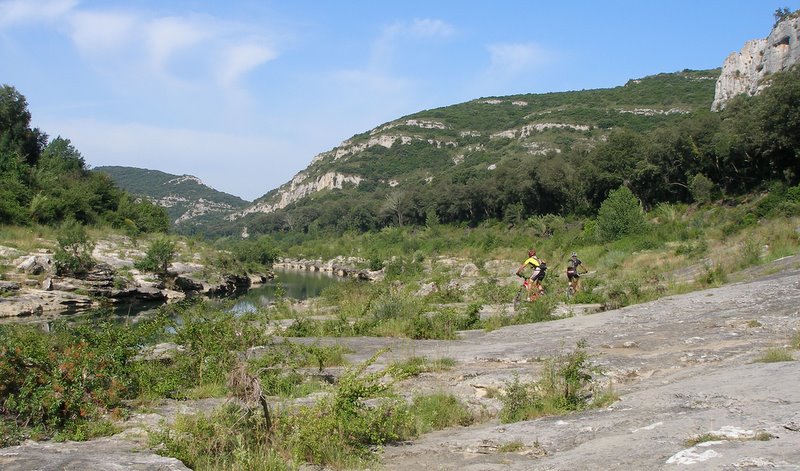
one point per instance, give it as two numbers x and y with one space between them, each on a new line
418 153
189 202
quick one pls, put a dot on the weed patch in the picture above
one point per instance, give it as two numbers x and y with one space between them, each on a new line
777 354
566 384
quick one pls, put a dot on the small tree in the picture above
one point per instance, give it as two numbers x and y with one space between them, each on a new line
74 252
620 215
701 188
158 257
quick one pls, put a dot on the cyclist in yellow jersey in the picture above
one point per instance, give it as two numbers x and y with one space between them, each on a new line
537 275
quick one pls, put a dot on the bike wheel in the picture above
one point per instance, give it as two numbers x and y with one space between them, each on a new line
570 291
519 297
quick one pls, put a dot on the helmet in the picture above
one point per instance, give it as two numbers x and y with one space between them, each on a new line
531 252
574 254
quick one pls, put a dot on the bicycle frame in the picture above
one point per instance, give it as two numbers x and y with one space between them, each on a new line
527 292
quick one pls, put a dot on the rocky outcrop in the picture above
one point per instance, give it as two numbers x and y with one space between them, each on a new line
300 187
345 268
33 289
744 71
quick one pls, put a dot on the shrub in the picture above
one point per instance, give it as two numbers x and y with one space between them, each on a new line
74 252
438 411
620 214
415 366
230 438
701 188
777 354
61 380
565 384
158 256
210 336
540 310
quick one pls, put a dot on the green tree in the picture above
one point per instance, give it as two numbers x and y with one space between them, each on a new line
16 136
778 115
702 188
74 253
158 257
781 14
620 215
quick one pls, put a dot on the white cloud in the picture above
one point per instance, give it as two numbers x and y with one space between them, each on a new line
511 59
418 28
24 11
134 48
242 58
430 28
376 74
102 32
167 36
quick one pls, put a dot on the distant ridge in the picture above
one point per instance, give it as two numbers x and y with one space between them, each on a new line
189 202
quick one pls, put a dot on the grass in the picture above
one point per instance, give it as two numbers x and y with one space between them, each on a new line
205 391
776 354
795 341
511 447
566 384
715 437
415 366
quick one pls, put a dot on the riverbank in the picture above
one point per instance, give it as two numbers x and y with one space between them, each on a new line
32 288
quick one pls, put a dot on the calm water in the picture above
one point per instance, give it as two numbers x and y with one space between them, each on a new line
294 284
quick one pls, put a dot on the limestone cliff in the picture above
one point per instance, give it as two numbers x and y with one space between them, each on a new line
744 71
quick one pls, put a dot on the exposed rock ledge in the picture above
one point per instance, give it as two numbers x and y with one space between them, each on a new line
337 267
33 289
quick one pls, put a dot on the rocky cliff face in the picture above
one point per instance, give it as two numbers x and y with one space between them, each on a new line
744 71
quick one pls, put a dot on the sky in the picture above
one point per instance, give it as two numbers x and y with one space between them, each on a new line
244 93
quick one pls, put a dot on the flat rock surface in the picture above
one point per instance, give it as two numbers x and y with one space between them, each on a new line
107 454
683 366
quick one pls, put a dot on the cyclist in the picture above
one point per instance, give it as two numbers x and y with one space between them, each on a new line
573 264
537 275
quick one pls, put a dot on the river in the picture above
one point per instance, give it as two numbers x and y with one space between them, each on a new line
293 284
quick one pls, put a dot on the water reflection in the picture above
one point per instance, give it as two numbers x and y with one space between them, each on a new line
292 284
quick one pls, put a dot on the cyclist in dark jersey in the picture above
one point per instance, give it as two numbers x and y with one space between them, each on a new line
572 270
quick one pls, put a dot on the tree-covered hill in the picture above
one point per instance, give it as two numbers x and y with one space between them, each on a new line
460 163
509 158
189 202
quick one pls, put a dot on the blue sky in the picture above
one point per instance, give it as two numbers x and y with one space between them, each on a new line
244 93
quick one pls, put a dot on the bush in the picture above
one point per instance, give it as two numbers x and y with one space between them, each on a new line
620 215
62 380
158 257
74 253
438 411
565 384
701 188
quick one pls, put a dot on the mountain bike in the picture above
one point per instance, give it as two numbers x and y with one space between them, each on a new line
572 288
524 294
572 285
